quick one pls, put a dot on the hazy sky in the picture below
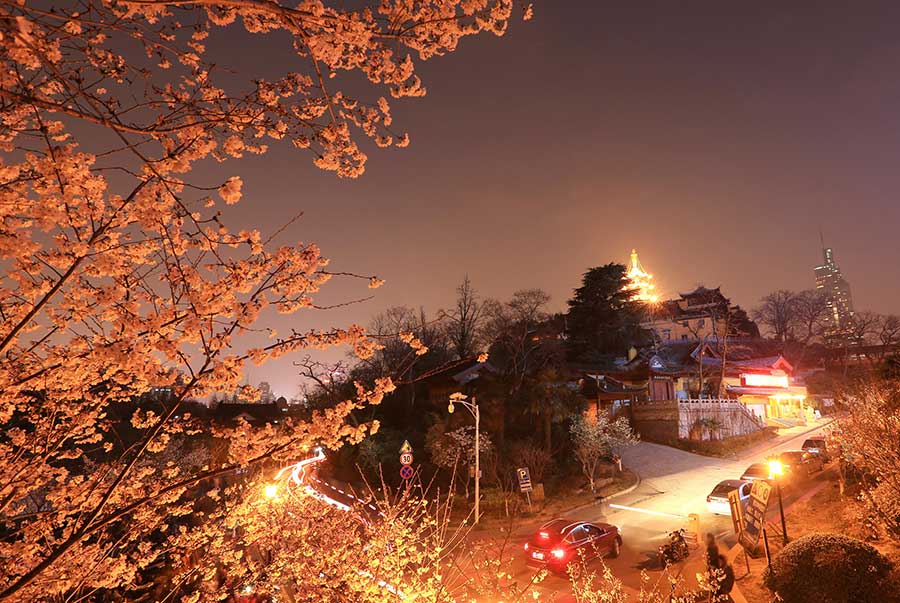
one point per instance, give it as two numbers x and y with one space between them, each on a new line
714 138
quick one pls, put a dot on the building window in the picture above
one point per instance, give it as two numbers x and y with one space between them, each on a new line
701 323
667 334
684 323
684 337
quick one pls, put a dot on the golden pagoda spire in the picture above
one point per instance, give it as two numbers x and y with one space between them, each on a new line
641 281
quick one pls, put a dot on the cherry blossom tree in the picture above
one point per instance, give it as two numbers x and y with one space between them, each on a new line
119 272
597 439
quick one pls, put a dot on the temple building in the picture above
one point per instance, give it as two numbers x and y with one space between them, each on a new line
694 316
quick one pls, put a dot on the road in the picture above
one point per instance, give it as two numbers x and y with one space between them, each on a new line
674 482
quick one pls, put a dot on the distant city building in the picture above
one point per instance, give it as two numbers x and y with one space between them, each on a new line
837 290
266 396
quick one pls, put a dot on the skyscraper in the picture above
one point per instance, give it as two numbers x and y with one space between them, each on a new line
837 290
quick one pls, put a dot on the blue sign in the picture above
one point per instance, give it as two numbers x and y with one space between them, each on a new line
406 472
524 479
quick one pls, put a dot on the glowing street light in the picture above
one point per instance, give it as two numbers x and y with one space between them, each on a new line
776 470
271 491
472 407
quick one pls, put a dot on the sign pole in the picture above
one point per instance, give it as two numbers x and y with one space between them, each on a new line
766 543
477 462
406 460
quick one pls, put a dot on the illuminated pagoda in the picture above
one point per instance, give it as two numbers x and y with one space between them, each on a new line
641 281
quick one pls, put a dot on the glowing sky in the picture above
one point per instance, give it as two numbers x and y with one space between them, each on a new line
715 139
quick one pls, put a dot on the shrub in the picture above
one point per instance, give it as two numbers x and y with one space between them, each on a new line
829 568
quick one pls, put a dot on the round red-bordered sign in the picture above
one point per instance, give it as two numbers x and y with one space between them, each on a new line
406 472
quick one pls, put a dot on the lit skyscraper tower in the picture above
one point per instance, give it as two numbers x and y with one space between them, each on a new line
837 290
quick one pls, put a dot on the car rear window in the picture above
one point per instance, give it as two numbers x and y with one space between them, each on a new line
814 444
723 490
757 470
792 457
548 534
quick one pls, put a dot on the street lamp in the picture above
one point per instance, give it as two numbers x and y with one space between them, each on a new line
776 469
472 407
271 491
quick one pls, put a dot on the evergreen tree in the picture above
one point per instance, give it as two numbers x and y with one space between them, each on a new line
603 319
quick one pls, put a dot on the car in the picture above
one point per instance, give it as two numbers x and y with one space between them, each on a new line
798 463
757 471
817 446
717 501
560 542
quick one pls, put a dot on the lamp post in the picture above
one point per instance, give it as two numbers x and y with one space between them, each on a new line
777 470
472 407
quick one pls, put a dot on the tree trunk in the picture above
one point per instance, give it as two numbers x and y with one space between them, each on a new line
548 427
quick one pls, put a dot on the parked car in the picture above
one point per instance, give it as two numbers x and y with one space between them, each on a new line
563 541
717 501
756 471
798 463
817 446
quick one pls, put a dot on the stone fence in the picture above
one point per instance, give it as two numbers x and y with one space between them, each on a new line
693 419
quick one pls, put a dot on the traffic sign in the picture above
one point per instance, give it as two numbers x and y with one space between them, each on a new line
406 472
755 516
524 479
406 458
406 447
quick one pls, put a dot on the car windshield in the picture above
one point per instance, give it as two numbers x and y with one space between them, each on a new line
723 489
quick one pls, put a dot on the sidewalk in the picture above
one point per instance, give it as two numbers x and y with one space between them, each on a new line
736 550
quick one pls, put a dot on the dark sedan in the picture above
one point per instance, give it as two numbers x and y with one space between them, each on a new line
757 471
563 541
798 463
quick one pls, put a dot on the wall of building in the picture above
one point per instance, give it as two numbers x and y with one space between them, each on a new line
656 421
715 419
692 329
667 421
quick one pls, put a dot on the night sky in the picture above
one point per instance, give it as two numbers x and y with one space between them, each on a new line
715 139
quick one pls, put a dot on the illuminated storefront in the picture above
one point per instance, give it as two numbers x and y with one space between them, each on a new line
770 395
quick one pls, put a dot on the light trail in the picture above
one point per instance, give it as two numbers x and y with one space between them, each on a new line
300 476
647 511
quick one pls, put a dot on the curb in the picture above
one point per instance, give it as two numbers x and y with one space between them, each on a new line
627 490
588 505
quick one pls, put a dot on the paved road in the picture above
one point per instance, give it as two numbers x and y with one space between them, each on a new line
673 482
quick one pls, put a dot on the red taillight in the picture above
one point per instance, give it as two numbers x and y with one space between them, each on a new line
526 546
558 553
544 535
709 499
